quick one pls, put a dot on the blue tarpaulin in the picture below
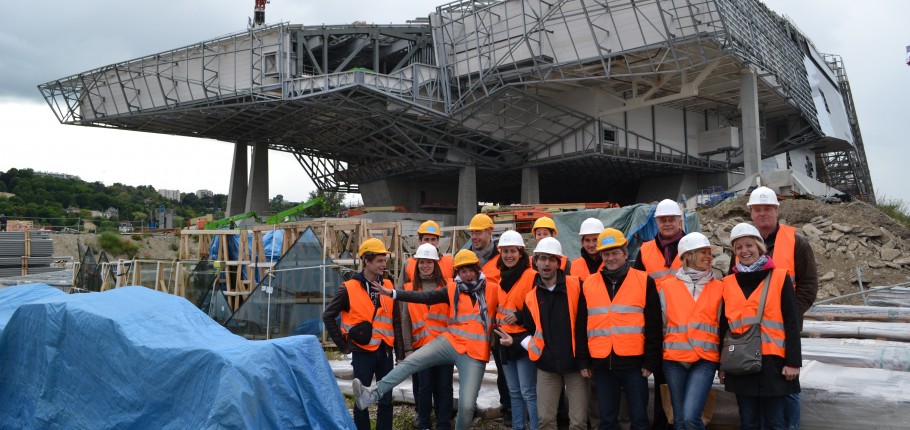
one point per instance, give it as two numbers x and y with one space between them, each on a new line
135 358
13 297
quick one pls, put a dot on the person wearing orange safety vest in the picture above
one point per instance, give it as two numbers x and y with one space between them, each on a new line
789 251
367 326
556 314
624 332
690 360
424 323
428 232
659 257
589 262
762 396
545 227
472 306
516 278
487 253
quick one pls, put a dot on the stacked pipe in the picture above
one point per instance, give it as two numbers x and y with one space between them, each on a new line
25 253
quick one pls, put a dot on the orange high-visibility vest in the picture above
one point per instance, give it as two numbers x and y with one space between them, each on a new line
446 265
465 331
362 310
741 312
655 263
535 348
784 251
427 321
618 325
704 322
677 307
580 269
514 300
491 271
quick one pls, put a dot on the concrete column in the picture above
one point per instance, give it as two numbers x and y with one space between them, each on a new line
467 195
237 189
257 196
748 104
530 187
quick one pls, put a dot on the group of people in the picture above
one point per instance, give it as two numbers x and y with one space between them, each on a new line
580 333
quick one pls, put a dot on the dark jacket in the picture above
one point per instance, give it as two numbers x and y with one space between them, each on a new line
806 272
557 356
654 336
769 382
340 303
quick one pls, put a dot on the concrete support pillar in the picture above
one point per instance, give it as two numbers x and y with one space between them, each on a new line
467 195
257 196
748 104
237 189
530 187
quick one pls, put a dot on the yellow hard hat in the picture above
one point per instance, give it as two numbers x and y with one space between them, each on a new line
465 257
545 222
372 245
610 238
480 222
429 227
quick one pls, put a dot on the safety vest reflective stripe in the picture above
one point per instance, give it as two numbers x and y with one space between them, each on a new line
676 329
380 318
471 336
616 330
601 310
704 344
465 318
419 324
708 328
533 348
682 346
420 336
440 317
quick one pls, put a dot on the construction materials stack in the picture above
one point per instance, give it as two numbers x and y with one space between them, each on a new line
25 253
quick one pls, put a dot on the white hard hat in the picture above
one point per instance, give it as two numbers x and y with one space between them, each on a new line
511 238
763 196
667 207
427 251
691 242
591 226
744 229
549 245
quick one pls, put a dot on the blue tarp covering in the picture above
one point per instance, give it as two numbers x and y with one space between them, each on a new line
13 297
135 358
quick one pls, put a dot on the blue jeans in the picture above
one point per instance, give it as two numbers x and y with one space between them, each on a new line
521 376
765 413
688 390
366 364
791 417
435 387
610 385
435 353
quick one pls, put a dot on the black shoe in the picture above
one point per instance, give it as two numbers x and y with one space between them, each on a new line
507 418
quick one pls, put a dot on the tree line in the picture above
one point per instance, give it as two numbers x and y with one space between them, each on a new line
63 203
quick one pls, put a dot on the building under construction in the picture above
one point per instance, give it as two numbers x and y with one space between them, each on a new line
504 101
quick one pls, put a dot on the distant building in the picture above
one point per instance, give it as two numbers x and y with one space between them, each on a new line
58 175
97 214
111 213
170 194
204 193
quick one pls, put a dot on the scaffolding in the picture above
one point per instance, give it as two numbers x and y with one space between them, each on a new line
567 87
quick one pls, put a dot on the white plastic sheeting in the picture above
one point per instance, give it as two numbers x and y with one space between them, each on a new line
868 313
867 353
857 330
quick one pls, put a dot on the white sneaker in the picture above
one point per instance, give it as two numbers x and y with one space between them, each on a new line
363 396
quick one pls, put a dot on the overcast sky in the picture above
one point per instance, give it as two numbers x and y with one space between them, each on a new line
43 41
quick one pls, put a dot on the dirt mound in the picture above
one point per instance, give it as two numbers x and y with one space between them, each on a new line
844 236
163 247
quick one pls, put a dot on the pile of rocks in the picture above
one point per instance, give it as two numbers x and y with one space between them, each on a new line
844 237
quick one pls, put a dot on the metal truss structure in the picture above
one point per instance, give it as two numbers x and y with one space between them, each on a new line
500 85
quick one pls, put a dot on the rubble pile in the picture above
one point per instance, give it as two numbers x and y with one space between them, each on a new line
844 236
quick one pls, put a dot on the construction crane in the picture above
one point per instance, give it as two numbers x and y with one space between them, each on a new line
259 12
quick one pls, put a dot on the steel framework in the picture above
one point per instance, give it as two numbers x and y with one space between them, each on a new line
500 85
